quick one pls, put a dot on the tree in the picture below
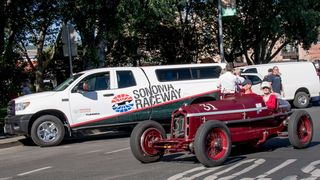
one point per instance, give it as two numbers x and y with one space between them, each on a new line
41 29
11 76
93 20
260 25
166 31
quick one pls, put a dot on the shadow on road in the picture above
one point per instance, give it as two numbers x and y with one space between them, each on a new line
80 138
238 152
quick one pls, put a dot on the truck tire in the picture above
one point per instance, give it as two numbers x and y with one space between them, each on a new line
301 100
47 131
141 140
300 129
212 143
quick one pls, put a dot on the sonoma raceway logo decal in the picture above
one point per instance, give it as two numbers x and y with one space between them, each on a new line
145 97
122 103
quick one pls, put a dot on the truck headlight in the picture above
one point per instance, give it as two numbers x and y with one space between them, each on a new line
21 106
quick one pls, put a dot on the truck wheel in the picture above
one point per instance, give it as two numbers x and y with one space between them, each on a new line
142 138
47 131
300 129
212 143
301 100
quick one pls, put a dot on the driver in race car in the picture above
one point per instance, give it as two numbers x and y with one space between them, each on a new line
246 87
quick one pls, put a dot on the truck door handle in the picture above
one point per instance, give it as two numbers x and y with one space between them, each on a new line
107 95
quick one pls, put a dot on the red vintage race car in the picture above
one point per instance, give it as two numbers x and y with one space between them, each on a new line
210 129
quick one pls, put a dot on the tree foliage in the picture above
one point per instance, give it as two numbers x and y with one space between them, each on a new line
140 32
263 28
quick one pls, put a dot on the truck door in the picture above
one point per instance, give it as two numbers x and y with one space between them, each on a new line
130 86
90 100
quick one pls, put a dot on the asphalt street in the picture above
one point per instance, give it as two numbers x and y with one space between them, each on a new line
109 157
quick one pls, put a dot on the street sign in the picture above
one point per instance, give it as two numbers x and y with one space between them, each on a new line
228 7
68 37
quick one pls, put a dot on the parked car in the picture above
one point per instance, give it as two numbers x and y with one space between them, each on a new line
111 98
300 80
209 129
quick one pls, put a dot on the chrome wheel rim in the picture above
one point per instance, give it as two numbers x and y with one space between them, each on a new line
47 131
302 100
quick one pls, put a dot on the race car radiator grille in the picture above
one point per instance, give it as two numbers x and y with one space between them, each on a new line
178 127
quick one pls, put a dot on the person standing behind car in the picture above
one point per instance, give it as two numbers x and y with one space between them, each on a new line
276 81
266 77
228 82
25 88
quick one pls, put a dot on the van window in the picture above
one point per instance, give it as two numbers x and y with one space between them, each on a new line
94 82
192 73
125 79
250 70
206 72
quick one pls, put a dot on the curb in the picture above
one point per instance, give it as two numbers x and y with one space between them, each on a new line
7 142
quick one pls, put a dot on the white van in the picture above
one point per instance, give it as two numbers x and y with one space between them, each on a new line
299 79
111 97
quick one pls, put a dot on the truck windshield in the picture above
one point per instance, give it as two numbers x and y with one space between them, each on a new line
67 82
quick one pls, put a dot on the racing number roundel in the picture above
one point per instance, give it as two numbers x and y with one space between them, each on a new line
122 103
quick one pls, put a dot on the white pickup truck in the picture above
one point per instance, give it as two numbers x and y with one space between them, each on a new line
110 98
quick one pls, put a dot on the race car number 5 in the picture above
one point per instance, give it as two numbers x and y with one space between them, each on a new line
208 107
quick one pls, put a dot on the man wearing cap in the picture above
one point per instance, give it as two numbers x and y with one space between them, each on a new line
269 98
246 86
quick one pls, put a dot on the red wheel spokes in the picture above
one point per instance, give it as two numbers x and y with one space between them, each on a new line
304 129
216 144
148 138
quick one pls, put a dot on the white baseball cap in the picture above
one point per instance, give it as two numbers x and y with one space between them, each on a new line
265 84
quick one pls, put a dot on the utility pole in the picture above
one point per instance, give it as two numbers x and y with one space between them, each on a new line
220 31
69 43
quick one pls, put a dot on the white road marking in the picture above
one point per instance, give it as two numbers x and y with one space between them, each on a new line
119 150
215 176
180 175
284 164
36 170
201 173
5 178
93 151
245 170
311 169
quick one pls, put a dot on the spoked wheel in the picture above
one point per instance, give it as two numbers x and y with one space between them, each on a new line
212 143
300 129
142 138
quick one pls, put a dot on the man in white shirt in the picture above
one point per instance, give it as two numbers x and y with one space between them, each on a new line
228 82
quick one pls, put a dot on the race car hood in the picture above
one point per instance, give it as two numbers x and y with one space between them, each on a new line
211 106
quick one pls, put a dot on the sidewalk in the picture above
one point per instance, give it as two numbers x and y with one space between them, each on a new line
10 141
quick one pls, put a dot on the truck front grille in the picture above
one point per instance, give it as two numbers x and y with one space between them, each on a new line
11 108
